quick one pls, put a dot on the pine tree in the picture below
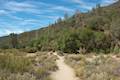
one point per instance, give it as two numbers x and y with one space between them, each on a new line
14 40
66 16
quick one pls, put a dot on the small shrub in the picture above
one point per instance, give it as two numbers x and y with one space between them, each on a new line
100 68
13 63
20 67
25 76
31 50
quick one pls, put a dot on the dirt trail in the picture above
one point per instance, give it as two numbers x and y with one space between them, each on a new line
65 72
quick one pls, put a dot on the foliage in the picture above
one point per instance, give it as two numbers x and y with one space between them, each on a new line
71 44
101 67
95 31
30 50
14 40
115 29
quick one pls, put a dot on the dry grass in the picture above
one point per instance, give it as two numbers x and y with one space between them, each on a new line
14 65
101 67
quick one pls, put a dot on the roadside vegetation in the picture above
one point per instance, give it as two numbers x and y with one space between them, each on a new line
35 66
95 67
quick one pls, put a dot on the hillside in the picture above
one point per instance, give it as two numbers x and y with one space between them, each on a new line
97 30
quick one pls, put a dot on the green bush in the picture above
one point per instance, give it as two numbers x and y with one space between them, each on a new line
102 43
87 37
96 23
72 44
31 49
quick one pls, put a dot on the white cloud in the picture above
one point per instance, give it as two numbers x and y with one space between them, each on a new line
89 5
78 2
28 22
19 27
107 2
21 7
3 12
41 4
82 4
62 8
9 14
6 30
53 17
14 17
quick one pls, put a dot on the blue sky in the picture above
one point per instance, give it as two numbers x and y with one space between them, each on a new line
24 15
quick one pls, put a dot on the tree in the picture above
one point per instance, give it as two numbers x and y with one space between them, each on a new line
72 44
77 12
59 20
102 42
87 37
14 40
96 23
78 19
115 31
98 9
66 16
